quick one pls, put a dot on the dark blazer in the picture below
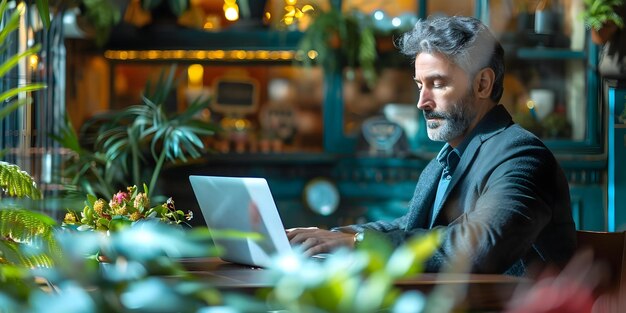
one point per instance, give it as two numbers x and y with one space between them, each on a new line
507 205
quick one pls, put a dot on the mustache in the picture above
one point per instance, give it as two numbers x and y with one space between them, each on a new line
433 114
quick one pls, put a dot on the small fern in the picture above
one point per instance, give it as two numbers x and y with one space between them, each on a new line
27 238
17 183
599 12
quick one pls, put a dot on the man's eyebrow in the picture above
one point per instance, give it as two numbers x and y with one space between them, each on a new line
433 77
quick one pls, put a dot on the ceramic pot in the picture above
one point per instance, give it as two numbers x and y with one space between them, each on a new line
602 36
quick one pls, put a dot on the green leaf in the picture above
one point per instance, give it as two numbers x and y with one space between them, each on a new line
44 12
104 223
17 183
599 12
14 59
11 25
14 92
67 137
119 222
91 199
409 258
27 229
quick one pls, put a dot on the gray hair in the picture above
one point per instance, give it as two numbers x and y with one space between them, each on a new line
465 41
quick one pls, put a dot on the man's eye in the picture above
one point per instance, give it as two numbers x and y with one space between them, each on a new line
419 87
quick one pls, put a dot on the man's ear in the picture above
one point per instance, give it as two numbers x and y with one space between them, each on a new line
483 83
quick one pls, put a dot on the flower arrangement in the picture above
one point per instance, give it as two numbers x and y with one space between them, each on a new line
124 208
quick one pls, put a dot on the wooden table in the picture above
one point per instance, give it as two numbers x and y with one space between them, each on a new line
475 292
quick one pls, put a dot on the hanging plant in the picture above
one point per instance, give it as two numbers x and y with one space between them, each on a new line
335 40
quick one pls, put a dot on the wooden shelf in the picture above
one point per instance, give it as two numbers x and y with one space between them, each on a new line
172 37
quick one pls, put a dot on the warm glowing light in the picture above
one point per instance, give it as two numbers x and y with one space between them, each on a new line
179 54
241 124
195 73
307 8
33 61
312 54
530 104
274 55
209 24
259 55
219 54
286 55
240 54
231 14
263 54
153 54
290 2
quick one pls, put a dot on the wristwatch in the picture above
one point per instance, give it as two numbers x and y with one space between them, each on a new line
358 238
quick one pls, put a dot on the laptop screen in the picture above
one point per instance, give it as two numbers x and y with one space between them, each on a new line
244 204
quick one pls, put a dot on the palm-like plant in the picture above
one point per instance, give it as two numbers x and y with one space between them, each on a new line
128 138
20 229
13 181
7 96
600 12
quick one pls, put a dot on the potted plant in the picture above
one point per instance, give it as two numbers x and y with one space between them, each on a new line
123 209
601 17
340 40
132 145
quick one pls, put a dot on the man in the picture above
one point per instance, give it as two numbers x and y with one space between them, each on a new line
494 190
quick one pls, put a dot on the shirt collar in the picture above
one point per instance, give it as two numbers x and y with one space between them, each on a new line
449 157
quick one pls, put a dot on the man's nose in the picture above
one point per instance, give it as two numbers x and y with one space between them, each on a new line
425 101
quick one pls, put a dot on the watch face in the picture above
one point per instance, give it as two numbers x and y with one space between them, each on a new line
358 237
321 196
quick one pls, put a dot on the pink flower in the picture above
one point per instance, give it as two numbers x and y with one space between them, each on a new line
120 197
568 291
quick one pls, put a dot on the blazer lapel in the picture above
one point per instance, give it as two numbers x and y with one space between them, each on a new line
461 168
493 123
424 196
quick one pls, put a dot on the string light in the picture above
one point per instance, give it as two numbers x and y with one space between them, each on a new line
195 73
199 55
33 61
293 14
231 10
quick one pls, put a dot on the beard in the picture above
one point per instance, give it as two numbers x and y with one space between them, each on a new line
452 123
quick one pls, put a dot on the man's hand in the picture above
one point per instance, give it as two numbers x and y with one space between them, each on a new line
314 240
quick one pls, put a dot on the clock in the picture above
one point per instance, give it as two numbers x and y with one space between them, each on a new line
321 196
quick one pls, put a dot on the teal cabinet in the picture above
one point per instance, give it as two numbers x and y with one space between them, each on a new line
616 178
559 67
551 65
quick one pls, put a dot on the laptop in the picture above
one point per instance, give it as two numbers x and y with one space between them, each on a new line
243 204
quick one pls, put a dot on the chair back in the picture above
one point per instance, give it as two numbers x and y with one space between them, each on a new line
608 248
